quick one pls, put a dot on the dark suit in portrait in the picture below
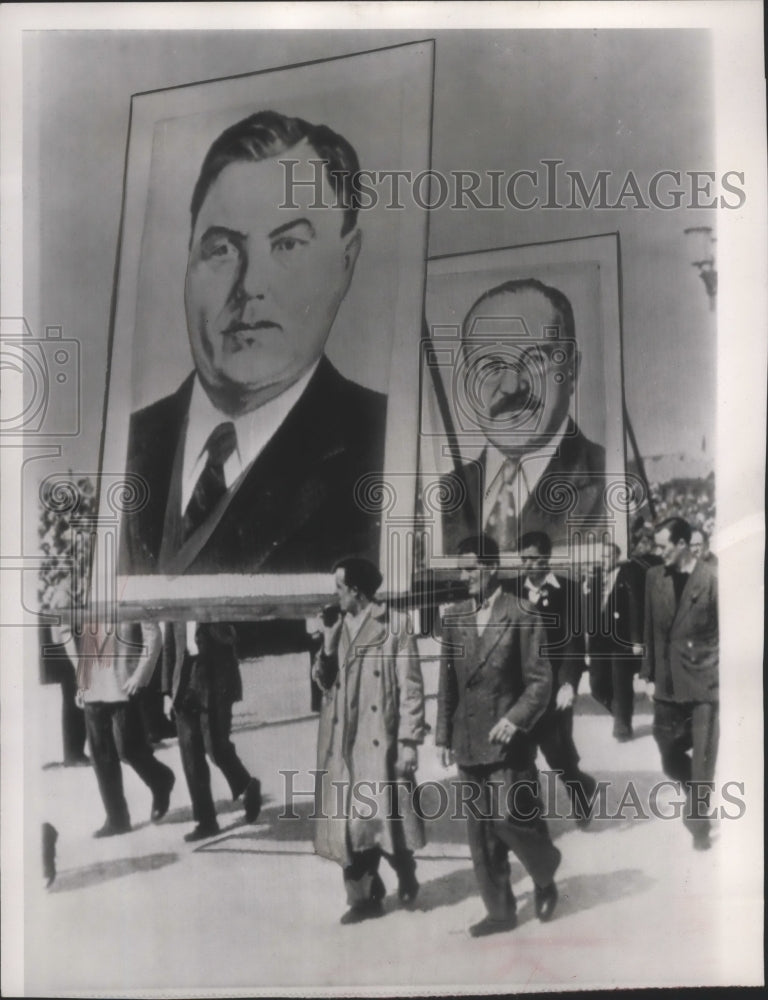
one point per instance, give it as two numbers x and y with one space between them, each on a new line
483 677
682 661
577 467
558 605
614 625
294 509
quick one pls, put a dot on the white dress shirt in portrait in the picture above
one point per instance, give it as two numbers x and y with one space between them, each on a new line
254 431
529 471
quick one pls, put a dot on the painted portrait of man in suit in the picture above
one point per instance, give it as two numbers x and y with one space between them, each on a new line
517 380
251 465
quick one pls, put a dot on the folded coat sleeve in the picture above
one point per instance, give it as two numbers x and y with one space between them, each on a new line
410 688
325 669
537 677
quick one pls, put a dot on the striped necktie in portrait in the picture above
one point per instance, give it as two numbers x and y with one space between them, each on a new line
502 520
211 485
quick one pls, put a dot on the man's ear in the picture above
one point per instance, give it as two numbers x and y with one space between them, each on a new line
352 250
576 360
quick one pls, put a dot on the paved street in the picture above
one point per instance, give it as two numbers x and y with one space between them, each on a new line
254 908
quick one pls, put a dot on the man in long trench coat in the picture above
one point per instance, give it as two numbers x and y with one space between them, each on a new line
371 723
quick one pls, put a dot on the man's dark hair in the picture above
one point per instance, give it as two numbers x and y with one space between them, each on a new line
361 574
482 546
538 540
678 528
268 133
558 300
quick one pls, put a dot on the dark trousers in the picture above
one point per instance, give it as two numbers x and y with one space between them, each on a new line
505 815
361 876
116 733
611 682
206 728
60 671
677 728
72 718
554 735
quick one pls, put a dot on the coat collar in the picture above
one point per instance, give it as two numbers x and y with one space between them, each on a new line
371 632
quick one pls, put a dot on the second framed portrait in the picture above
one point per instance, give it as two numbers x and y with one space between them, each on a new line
522 414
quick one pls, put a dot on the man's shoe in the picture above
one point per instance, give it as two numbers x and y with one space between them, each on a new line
80 760
488 926
545 901
162 798
368 910
112 830
407 887
252 800
202 832
622 734
407 883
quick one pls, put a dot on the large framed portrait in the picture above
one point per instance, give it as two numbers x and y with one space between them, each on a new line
266 317
522 418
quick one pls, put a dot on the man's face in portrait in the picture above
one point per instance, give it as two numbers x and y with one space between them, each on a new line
518 386
264 283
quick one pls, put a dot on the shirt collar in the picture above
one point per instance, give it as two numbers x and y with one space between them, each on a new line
204 416
533 465
254 430
549 580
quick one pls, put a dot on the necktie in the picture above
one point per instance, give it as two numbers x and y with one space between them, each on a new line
211 486
502 521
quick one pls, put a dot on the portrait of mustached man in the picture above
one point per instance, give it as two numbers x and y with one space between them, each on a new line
520 370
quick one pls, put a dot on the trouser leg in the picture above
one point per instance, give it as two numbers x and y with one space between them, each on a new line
72 717
704 738
672 732
521 826
601 682
507 817
133 747
195 766
622 682
217 726
106 762
361 877
554 734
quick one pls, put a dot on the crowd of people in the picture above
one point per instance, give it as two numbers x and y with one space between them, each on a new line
514 652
